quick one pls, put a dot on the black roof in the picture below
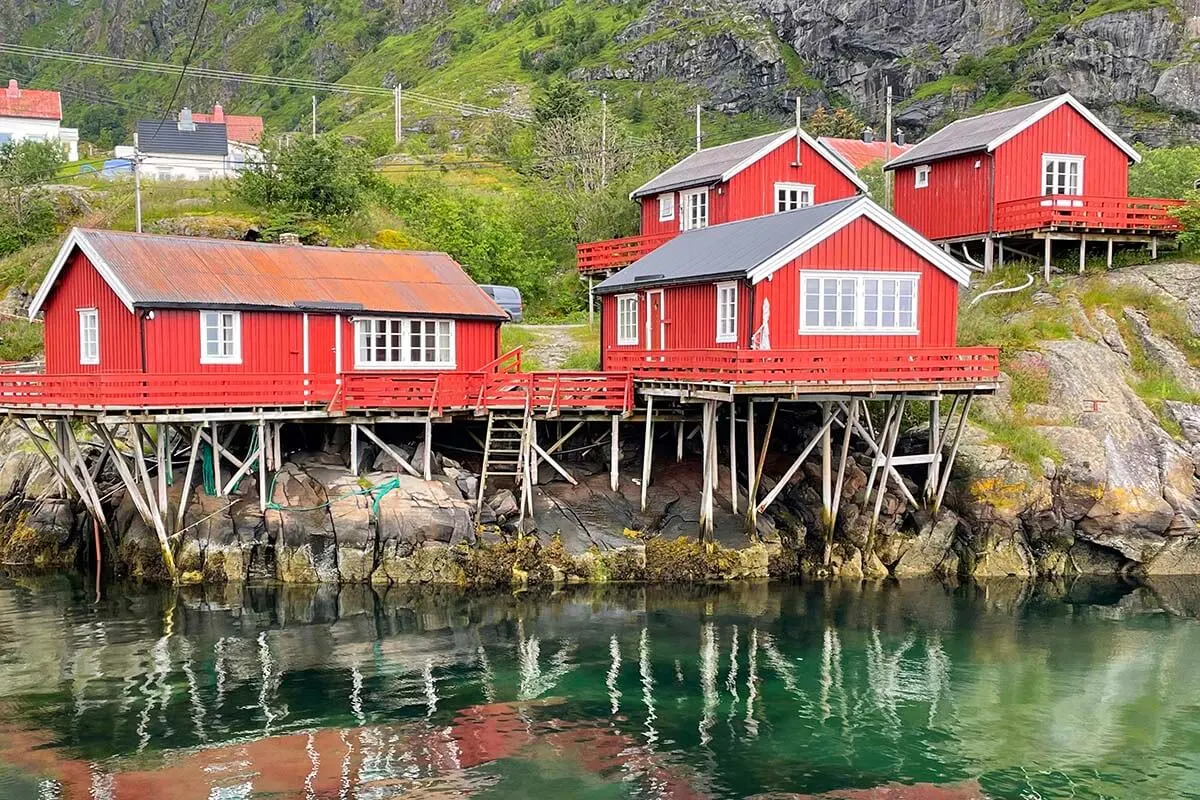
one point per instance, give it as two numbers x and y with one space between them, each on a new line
728 250
969 134
208 139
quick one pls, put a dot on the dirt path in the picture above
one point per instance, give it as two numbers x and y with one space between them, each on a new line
551 345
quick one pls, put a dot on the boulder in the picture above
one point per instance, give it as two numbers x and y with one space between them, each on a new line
931 550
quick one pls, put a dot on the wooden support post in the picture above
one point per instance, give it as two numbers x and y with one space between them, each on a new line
244 469
935 448
427 465
1109 259
215 442
709 449
988 255
264 447
1046 265
881 448
162 456
733 480
826 472
615 455
891 437
187 478
1000 252
56 462
795 467
158 513
678 441
751 488
1082 252
354 448
1153 248
387 448
847 432
949 464
869 439
533 452
557 467
647 448
762 454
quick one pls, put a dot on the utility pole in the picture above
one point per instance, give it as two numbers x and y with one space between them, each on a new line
604 140
887 149
314 115
697 127
798 129
137 185
398 97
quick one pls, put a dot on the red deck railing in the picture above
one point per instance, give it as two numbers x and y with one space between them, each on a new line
617 253
1150 215
818 367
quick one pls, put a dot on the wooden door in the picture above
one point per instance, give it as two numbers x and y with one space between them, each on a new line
656 326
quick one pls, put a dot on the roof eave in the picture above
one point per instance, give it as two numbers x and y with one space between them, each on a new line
679 281
648 190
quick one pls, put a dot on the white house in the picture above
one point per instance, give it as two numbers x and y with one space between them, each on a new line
187 150
35 115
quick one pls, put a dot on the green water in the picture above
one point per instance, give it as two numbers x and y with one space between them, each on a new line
1004 690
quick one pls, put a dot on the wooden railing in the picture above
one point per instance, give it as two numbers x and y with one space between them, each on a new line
819 367
435 393
617 253
1085 212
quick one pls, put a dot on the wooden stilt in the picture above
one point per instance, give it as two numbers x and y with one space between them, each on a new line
678 442
533 452
892 437
387 448
733 480
92 497
1000 252
647 449
949 463
1153 248
879 457
557 467
187 478
847 432
988 254
353 448
762 454
826 471
160 443
158 513
247 464
264 447
1108 260
427 466
55 462
869 440
215 442
1046 264
795 467
708 448
1082 252
277 441
751 488
935 448
615 455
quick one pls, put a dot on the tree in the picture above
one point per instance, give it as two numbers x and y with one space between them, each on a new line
563 100
841 123
27 162
1165 171
26 215
320 176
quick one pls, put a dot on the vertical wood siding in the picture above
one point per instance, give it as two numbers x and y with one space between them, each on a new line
1063 132
861 246
955 203
80 286
272 342
689 316
751 193
650 222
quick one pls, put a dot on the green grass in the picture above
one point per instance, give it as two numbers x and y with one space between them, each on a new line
1021 439
19 340
1164 317
1028 384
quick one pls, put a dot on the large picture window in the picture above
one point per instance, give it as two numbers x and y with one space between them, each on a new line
855 303
727 296
89 336
392 342
1062 174
695 210
220 337
627 319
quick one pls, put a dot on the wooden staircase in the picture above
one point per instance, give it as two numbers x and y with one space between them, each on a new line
506 456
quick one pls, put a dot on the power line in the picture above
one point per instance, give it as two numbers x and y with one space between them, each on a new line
183 70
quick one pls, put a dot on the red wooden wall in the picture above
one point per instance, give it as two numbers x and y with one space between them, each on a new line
80 286
689 317
1063 131
751 192
861 246
476 342
272 341
955 203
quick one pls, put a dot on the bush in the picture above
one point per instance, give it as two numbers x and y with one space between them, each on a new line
320 176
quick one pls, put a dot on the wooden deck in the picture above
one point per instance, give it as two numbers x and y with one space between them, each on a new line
1148 216
612 254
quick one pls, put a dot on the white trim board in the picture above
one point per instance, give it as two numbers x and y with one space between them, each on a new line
835 161
1069 100
78 238
863 207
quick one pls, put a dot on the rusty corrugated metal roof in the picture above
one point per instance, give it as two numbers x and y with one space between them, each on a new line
160 271
859 154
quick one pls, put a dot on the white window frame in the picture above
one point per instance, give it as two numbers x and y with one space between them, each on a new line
401 328
235 326
1057 159
666 207
689 203
784 200
89 355
727 312
627 319
859 326
921 176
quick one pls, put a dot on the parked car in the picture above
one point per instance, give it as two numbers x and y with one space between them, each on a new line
508 298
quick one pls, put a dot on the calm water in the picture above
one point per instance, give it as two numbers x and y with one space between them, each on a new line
1002 691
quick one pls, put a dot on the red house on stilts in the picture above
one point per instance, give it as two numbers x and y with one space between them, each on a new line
1033 174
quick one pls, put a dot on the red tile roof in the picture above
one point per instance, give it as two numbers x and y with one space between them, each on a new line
858 153
29 103
240 128
155 271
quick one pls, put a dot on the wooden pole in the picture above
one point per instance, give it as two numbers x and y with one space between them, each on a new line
160 442
187 478
762 454
949 465
988 255
879 451
847 432
427 466
353 448
751 488
615 455
869 439
1082 252
708 448
159 525
1046 264
795 467
216 446
263 449
893 435
1108 259
826 472
391 451
678 441
647 448
55 463
935 447
733 481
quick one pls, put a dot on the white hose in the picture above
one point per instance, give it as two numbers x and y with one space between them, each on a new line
1028 282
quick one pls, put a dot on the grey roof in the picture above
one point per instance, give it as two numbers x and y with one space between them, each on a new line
707 165
727 250
209 138
970 134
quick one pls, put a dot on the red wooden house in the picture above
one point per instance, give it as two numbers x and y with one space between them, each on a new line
836 292
1044 170
116 302
748 178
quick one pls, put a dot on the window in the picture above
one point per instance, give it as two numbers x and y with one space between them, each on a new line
790 196
627 319
403 343
666 207
847 302
695 210
921 177
1062 174
220 337
727 297
89 336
